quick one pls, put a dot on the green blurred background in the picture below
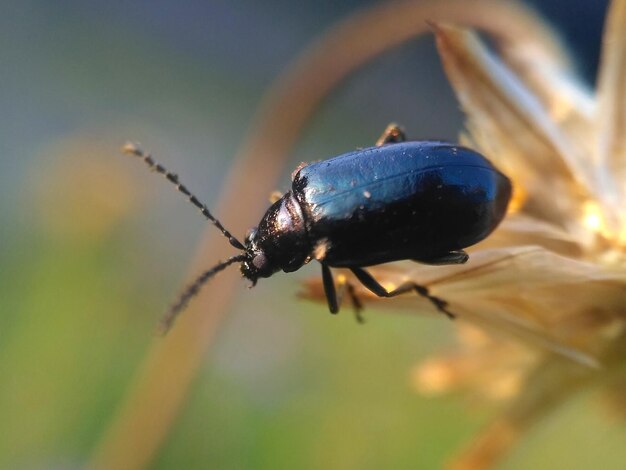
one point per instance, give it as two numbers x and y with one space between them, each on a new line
93 247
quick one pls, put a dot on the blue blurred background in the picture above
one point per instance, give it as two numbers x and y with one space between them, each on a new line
93 247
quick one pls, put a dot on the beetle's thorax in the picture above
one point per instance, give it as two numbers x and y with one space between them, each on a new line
280 241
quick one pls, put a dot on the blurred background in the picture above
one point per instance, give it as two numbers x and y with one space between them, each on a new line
92 247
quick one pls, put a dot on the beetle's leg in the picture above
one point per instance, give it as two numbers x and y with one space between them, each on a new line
335 297
344 286
329 289
356 303
372 284
453 257
393 134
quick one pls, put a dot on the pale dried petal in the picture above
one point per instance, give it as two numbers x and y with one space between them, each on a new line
557 202
514 128
611 112
521 229
538 296
489 91
530 289
569 102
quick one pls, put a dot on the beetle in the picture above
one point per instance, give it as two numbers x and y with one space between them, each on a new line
400 200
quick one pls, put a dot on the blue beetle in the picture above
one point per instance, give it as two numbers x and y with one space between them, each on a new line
423 201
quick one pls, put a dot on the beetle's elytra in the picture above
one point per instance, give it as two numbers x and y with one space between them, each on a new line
424 201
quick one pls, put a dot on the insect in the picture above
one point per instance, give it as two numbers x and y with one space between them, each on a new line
423 201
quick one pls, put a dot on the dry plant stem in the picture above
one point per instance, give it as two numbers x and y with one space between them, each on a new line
160 387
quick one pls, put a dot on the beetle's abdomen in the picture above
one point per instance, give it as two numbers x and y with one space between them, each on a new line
413 200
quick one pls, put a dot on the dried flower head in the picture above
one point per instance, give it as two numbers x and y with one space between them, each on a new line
552 276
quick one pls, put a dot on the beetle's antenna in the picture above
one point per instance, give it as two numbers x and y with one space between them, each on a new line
135 151
168 319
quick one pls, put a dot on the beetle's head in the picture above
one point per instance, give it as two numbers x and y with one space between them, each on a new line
257 263
278 243
256 266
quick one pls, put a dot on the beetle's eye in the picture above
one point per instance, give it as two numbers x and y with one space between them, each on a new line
250 234
259 261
